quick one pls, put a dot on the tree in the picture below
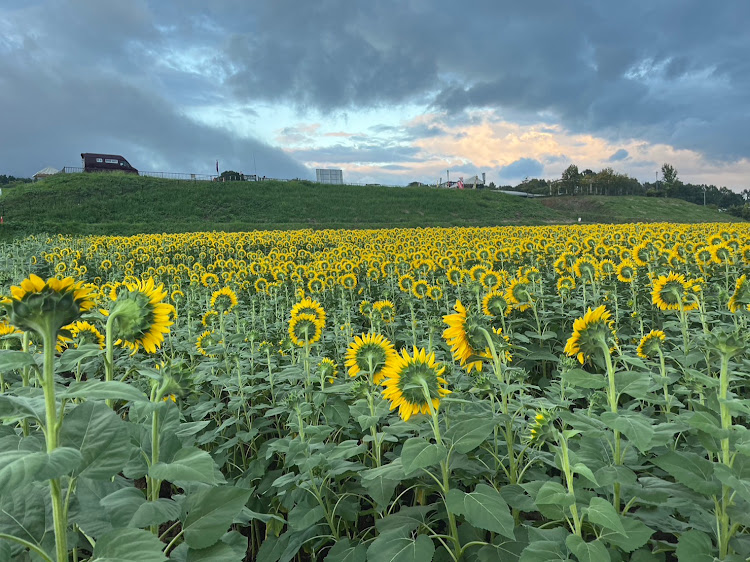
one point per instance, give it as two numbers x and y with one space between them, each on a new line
571 179
669 175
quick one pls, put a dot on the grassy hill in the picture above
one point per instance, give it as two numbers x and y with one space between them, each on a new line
123 205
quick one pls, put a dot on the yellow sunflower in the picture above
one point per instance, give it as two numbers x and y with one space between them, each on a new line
741 296
327 369
386 309
204 341
223 300
46 306
305 328
310 306
592 333
411 379
369 354
494 304
139 315
672 291
83 332
651 343
466 338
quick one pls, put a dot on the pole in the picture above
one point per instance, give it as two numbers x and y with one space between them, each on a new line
449 177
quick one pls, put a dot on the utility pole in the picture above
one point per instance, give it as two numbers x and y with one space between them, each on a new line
449 177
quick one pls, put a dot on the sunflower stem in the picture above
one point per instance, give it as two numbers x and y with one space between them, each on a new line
52 429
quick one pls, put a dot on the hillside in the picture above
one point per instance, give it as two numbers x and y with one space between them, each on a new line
122 204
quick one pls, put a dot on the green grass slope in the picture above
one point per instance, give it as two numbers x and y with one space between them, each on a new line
123 205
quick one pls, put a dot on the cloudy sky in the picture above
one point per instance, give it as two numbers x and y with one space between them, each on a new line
390 91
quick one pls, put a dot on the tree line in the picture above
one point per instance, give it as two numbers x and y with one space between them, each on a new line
609 182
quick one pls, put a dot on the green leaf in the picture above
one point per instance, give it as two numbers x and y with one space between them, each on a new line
104 390
583 379
126 545
23 407
635 426
74 355
730 478
517 498
467 435
304 516
189 464
220 552
346 550
483 508
602 513
155 513
418 453
60 462
381 489
553 493
543 551
690 469
210 513
587 551
11 360
637 535
100 435
585 471
695 546
633 383
19 468
122 505
400 549
23 513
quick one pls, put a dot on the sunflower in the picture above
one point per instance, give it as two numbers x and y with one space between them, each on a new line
741 296
518 294
310 306
435 293
223 300
348 281
587 268
565 285
420 289
140 317
651 343
490 280
327 369
410 380
6 329
305 329
466 338
209 280
204 341
365 308
494 304
626 271
47 306
405 282
210 318
591 333
673 291
369 354
386 309
83 332
455 275
316 285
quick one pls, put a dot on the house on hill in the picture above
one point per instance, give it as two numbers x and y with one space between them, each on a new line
45 173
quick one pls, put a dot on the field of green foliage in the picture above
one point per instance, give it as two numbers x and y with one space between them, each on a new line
511 393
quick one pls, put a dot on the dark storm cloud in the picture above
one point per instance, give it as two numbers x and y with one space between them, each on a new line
522 168
621 154
80 77
672 72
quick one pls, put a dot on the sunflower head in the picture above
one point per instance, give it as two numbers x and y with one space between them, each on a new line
223 300
83 332
593 333
327 369
651 343
309 306
740 299
45 307
305 328
466 335
672 292
140 316
540 426
414 383
369 354
384 311
206 341
494 304
519 293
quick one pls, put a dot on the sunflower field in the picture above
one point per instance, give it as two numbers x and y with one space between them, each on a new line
519 393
